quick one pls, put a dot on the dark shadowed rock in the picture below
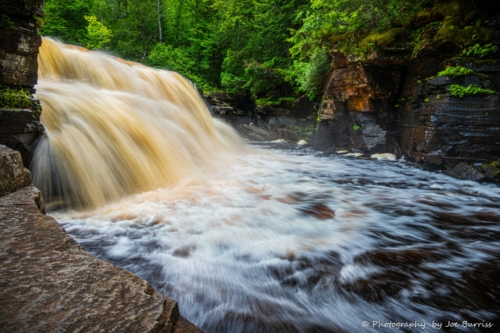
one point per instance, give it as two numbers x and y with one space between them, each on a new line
255 133
466 172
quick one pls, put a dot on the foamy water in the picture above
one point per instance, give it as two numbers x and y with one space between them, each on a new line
292 241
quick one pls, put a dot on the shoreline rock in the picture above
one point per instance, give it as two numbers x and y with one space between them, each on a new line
49 283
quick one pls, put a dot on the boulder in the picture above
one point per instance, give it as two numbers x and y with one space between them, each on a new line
13 175
465 172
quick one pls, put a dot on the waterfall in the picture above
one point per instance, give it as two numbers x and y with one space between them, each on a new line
114 128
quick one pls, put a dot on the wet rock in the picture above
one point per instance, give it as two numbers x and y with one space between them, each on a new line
19 131
492 171
50 283
392 101
13 175
465 172
279 141
255 133
384 157
18 54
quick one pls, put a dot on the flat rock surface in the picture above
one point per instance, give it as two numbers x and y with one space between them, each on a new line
49 283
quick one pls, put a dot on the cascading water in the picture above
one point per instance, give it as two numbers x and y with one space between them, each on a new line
280 241
115 128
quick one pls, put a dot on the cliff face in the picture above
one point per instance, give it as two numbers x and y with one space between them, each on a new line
393 100
19 23
20 41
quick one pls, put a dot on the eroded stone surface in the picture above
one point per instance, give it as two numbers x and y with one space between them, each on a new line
49 283
13 175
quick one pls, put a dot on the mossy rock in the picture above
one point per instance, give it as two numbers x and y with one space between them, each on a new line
384 38
492 170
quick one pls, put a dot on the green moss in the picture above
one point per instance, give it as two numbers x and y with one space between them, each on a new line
471 90
270 101
356 127
14 99
5 21
456 71
39 20
384 38
479 51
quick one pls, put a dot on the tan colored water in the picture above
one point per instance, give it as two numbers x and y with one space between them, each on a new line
114 128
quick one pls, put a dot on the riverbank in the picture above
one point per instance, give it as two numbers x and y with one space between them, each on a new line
50 283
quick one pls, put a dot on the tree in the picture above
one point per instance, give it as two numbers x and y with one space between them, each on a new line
97 34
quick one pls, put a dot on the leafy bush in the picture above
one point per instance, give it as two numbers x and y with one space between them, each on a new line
311 75
480 51
14 99
97 34
471 90
456 71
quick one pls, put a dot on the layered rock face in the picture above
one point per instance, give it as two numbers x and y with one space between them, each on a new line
392 101
20 41
19 23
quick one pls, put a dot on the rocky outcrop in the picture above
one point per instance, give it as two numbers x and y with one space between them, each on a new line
19 23
49 283
20 41
13 175
19 131
393 101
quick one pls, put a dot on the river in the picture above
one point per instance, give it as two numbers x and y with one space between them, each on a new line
286 239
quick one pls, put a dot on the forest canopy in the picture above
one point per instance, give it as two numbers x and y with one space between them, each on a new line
264 48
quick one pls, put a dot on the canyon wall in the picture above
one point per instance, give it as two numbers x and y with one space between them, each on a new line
392 100
19 23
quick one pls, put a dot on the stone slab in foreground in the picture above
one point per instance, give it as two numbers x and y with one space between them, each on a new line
49 283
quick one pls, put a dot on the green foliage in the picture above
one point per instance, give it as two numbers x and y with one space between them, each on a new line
456 71
97 34
479 51
65 19
471 90
356 127
177 59
7 23
311 75
305 133
14 99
